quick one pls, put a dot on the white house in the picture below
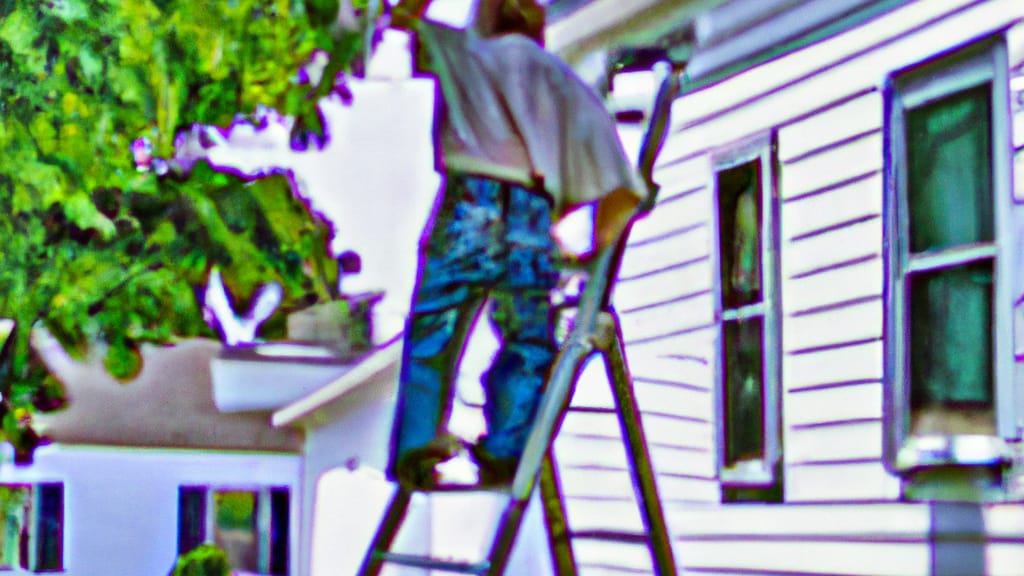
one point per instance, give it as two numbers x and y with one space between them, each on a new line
821 314
138 472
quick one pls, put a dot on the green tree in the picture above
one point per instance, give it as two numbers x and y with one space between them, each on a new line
104 255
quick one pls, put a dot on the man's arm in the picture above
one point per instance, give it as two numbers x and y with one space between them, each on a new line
611 216
406 13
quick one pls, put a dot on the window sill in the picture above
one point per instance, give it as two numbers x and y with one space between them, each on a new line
953 450
747 473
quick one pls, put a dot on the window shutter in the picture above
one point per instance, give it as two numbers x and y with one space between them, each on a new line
191 518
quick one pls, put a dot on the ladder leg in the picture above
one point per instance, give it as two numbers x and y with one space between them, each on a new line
636 447
386 532
562 558
508 528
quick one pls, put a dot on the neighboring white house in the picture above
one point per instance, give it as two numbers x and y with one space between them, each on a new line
138 472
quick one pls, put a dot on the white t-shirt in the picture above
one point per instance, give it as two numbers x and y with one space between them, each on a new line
511 110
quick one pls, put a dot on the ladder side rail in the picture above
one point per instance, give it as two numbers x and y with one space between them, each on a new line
641 467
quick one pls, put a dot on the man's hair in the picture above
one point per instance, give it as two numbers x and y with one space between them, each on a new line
524 17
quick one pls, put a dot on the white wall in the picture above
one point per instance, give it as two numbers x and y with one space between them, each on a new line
121 505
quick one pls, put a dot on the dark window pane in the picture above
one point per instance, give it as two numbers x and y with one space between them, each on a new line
950 171
279 510
50 527
191 518
743 396
951 337
235 528
739 226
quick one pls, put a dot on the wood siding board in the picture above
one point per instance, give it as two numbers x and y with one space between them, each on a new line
853 441
833 74
647 258
658 272
696 340
1004 559
682 433
860 363
676 488
689 295
578 483
862 321
672 368
853 198
880 520
832 145
833 385
655 322
603 515
840 246
833 405
682 173
602 570
669 461
823 308
856 260
833 186
833 166
865 481
827 347
681 401
834 227
671 384
835 558
850 116
836 285
1004 520
689 280
612 554
574 452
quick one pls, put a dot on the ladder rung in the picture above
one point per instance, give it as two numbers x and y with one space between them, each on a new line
499 489
611 536
415 561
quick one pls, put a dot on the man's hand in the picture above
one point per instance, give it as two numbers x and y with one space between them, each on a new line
613 213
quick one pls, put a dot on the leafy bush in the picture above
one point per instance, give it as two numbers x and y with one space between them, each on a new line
205 560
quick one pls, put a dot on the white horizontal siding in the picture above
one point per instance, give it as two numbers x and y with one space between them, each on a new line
850 243
675 490
683 433
808 557
831 166
840 404
840 442
846 364
879 521
673 400
837 483
675 282
846 120
858 322
654 256
673 211
836 285
597 555
855 200
829 71
586 483
593 514
1004 559
689 371
663 319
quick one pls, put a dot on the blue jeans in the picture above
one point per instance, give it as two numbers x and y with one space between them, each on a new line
489 241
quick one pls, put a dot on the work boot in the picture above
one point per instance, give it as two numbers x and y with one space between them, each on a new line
415 470
493 470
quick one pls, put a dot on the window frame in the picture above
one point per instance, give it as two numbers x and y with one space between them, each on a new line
264 517
970 65
761 147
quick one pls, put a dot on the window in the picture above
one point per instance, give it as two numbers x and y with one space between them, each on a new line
949 360
33 534
251 525
748 398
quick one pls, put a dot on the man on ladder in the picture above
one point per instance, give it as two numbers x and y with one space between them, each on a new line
520 141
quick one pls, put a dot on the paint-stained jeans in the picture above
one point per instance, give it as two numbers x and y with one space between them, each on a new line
488 240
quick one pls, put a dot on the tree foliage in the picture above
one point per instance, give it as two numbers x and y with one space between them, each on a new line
92 248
